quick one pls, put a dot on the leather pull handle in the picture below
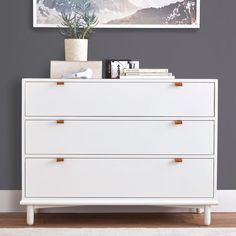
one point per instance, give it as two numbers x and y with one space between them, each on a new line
178 122
178 160
178 84
61 83
60 121
60 159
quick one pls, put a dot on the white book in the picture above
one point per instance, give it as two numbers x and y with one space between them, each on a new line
147 77
148 74
147 70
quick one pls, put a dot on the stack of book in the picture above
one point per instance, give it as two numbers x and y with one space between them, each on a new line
147 74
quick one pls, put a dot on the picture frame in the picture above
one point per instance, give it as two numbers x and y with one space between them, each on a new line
43 19
114 68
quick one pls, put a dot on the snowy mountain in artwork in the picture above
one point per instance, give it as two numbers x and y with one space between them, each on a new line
183 12
123 11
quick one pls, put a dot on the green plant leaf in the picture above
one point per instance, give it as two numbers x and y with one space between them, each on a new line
79 23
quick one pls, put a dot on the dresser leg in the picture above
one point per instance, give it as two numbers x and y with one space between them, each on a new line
30 215
207 215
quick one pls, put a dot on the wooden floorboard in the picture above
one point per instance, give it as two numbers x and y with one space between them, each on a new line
18 220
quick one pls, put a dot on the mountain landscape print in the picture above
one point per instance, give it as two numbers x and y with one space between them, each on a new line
124 13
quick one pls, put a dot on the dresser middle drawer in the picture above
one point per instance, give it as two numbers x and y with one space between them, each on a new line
119 137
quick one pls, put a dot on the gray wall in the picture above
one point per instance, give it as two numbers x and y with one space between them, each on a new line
205 53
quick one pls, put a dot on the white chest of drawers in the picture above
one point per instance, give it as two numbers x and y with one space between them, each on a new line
119 142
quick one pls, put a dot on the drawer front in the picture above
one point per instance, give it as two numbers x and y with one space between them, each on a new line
119 99
102 137
121 178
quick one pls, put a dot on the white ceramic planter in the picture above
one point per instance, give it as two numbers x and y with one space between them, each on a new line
76 49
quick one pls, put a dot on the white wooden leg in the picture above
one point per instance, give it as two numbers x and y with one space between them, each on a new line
207 215
30 215
199 210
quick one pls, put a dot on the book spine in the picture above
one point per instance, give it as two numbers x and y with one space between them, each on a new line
148 74
147 77
147 70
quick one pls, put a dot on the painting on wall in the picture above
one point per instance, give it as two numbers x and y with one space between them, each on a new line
125 13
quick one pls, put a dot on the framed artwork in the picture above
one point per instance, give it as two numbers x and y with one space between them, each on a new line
115 68
124 13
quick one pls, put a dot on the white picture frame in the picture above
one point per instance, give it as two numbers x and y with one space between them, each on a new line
196 25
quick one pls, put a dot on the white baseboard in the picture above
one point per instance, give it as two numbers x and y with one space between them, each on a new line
227 201
9 202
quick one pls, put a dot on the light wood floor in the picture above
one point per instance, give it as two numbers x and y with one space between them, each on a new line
17 220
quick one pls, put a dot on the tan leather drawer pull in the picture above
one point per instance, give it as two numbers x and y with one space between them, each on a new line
60 159
60 121
60 83
178 84
178 122
178 160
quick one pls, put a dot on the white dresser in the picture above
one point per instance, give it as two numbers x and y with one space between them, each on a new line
119 142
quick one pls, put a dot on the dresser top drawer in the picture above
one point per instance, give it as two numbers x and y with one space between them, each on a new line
119 98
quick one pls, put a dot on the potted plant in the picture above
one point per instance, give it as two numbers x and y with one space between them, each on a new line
77 26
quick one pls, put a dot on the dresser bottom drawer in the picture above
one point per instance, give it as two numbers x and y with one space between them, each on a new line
119 178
